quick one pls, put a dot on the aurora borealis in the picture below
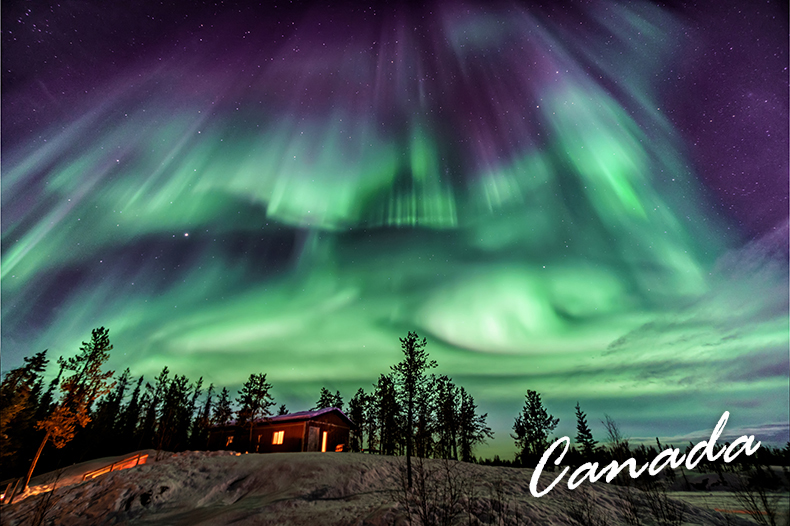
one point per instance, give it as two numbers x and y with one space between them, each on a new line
588 202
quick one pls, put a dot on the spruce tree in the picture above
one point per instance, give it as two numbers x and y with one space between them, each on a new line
472 428
384 417
102 439
153 398
199 436
584 435
410 378
223 412
187 416
532 427
356 412
46 404
447 417
325 399
425 419
337 401
115 400
80 389
174 416
371 421
130 416
20 397
254 401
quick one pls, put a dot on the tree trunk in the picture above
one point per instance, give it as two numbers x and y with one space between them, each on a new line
409 419
35 460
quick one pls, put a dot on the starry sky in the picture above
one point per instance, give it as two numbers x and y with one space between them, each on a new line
590 201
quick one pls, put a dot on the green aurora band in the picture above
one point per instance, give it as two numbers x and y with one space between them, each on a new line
568 251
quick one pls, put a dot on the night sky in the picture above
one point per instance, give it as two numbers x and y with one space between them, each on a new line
588 201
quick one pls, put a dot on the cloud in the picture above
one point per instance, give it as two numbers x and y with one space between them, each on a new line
775 434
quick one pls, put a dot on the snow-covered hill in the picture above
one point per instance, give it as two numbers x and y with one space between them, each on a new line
315 489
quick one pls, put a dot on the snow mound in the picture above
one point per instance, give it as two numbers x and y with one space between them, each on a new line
312 489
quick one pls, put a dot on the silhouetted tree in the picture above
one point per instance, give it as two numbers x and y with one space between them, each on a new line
447 408
424 419
472 428
326 399
152 398
408 412
618 444
410 377
178 408
35 366
356 412
584 435
222 411
102 439
187 415
199 436
113 402
130 417
173 395
254 401
532 428
46 404
370 422
86 383
20 393
338 403
385 417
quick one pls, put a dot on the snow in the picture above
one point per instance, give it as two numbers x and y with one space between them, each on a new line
310 489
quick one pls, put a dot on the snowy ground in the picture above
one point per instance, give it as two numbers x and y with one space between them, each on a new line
315 489
73 474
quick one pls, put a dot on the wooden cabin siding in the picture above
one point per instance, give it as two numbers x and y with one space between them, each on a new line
218 438
292 441
332 418
296 430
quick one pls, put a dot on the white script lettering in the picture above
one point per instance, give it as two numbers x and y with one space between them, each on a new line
668 456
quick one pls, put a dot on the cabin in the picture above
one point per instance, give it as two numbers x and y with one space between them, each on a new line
321 430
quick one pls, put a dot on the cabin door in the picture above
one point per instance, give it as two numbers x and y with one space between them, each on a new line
313 441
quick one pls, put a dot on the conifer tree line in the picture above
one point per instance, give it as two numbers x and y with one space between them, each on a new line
88 412
443 420
534 425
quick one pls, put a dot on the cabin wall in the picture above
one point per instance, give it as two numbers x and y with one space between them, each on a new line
296 436
292 438
218 438
332 418
336 435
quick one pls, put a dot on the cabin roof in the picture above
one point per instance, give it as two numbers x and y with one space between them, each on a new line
308 415
296 417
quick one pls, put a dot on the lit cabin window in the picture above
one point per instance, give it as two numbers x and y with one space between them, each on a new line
229 442
323 443
277 437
